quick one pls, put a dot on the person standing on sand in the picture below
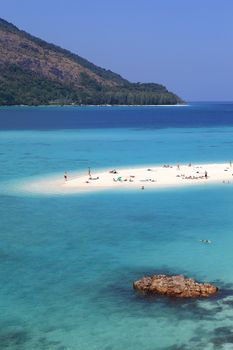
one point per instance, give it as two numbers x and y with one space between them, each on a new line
206 175
230 163
65 176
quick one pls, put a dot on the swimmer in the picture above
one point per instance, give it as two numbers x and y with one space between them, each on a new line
205 241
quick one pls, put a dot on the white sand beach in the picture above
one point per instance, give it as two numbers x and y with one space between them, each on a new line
141 178
150 177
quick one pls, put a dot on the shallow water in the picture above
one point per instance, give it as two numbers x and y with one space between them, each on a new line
68 262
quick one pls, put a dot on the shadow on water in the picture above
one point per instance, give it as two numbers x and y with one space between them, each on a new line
14 339
218 338
20 339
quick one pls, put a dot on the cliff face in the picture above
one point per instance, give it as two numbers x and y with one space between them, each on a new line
35 72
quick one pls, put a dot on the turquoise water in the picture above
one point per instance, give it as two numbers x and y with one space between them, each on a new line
68 261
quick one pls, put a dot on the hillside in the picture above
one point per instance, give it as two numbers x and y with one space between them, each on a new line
34 72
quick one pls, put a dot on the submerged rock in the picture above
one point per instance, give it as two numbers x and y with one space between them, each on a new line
174 286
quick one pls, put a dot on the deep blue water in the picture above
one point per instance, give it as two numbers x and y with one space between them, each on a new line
56 118
67 263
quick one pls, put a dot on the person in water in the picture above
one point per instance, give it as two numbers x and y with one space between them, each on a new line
65 176
205 241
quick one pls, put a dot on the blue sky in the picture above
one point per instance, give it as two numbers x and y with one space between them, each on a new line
186 45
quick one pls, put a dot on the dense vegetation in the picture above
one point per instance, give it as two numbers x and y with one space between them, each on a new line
34 72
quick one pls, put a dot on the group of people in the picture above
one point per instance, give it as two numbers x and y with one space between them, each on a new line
89 174
131 177
113 171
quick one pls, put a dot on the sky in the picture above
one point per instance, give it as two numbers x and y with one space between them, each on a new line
186 45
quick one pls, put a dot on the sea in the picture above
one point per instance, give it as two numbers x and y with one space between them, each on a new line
68 261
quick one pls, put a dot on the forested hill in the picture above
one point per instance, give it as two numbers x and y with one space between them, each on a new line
34 72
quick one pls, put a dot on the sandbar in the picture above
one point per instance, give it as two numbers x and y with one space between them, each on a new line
138 178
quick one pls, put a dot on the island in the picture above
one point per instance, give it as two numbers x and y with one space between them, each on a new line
34 72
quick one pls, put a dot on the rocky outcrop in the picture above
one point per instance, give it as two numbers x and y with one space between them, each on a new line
174 286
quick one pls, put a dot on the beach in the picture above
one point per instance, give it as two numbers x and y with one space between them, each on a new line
153 177
136 178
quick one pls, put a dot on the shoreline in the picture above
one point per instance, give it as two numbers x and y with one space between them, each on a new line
138 178
59 105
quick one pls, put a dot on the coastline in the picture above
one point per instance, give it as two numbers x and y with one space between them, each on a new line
80 106
140 178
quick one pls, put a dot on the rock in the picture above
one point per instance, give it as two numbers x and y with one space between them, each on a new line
174 286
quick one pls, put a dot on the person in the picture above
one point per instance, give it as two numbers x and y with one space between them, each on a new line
230 163
178 166
142 187
206 175
205 241
89 171
65 176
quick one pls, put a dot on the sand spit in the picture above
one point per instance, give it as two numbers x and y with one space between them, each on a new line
140 178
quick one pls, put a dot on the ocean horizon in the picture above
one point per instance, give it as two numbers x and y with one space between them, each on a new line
68 263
